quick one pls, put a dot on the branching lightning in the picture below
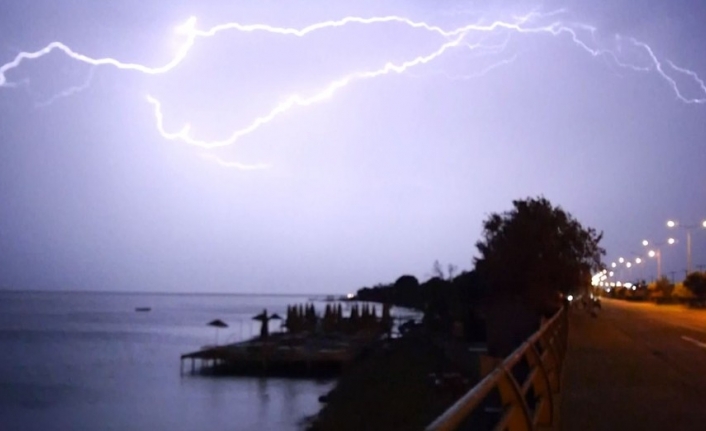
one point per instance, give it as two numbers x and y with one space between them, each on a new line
448 39
297 100
67 92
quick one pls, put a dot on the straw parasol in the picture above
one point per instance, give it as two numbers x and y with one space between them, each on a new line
218 324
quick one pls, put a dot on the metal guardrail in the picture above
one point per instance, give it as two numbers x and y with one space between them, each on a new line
520 393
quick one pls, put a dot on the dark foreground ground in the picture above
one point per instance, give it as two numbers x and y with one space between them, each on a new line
637 366
393 387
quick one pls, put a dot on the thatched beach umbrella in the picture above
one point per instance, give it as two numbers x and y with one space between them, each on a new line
265 319
218 323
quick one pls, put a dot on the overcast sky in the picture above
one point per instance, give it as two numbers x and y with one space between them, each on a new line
383 177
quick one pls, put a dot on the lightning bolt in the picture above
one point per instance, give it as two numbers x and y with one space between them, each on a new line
67 92
296 100
449 39
473 75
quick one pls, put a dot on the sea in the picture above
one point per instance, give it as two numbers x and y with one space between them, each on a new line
83 361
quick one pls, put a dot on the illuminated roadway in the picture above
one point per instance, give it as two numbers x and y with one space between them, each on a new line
635 366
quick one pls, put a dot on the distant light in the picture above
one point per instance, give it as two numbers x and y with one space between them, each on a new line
608 290
651 253
645 243
621 260
671 241
605 271
350 296
613 265
628 285
618 284
570 298
628 264
612 284
638 260
611 273
671 223
634 288
704 223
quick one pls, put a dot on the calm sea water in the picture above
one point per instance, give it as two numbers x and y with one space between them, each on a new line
88 361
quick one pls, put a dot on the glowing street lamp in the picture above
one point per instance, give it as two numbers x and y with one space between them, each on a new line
688 229
657 252
645 243
613 265
621 260
638 260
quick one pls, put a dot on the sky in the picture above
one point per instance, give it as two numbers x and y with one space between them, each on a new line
398 142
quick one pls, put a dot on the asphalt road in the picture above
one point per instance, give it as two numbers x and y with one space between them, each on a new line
637 366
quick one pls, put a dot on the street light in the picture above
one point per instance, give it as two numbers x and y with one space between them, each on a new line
688 229
638 260
657 252
645 243
621 260
613 265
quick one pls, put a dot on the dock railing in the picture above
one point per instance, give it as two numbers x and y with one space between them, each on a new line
521 393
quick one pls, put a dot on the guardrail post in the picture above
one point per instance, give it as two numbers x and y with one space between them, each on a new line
542 389
544 379
553 365
518 415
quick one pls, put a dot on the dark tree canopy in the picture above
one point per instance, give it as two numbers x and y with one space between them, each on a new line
406 282
535 251
696 283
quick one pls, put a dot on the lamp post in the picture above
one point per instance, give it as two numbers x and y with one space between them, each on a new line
637 261
657 252
688 229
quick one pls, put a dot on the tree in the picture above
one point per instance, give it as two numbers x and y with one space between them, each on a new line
406 291
535 251
681 292
696 283
665 288
451 270
437 270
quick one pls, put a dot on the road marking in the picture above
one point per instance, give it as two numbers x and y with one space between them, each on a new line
696 342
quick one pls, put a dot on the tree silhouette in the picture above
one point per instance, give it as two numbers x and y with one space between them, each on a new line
696 283
535 251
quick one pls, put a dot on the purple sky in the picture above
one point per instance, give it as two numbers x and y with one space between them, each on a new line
380 179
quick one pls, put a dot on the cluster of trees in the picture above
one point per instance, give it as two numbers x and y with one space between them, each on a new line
533 255
303 318
691 290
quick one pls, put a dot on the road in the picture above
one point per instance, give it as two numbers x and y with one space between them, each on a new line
635 366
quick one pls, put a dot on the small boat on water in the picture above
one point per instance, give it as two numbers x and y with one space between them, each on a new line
143 309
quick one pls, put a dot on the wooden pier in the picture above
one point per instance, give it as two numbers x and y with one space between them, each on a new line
280 355
312 346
